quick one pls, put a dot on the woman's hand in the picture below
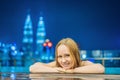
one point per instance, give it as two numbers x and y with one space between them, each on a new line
59 69
70 71
62 70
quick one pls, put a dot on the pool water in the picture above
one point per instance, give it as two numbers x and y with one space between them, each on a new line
108 70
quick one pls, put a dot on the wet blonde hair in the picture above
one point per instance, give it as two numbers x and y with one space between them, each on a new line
74 51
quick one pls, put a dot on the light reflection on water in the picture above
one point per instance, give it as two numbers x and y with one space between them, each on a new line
14 76
46 76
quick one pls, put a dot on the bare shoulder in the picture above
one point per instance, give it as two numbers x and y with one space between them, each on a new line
52 64
85 63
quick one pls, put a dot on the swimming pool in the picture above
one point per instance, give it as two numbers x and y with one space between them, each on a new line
108 70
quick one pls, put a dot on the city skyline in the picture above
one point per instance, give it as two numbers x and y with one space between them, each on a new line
92 24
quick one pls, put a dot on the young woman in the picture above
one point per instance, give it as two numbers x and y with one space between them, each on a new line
67 60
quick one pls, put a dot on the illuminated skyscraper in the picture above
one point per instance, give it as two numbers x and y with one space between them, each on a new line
40 36
28 37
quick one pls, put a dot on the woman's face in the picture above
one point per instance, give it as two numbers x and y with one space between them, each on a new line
64 58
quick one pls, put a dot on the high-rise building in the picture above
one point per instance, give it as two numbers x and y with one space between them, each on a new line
28 37
40 36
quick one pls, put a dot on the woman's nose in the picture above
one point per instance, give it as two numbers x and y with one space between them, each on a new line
63 60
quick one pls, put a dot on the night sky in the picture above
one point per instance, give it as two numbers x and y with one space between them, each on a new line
93 24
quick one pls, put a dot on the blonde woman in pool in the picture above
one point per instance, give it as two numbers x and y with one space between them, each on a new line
67 60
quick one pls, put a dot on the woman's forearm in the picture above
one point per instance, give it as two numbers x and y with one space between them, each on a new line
95 68
40 67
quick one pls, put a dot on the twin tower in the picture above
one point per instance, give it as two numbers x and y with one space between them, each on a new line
28 38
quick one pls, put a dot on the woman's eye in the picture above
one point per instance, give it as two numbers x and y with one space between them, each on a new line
67 55
59 56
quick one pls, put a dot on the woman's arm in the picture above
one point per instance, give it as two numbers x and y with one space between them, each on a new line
42 67
86 67
89 67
